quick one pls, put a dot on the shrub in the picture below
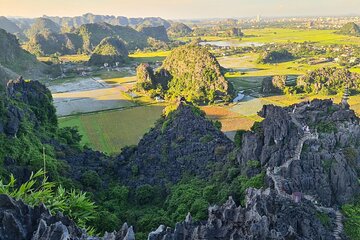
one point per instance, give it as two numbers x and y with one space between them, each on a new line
38 190
144 194
91 179
238 137
253 164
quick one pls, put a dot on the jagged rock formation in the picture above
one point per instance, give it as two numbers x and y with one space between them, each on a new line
183 142
313 148
21 222
264 217
178 30
351 29
158 33
110 50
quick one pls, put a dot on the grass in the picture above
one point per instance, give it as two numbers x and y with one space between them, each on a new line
142 57
110 131
249 74
283 35
68 58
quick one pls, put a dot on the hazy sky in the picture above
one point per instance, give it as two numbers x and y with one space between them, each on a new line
173 9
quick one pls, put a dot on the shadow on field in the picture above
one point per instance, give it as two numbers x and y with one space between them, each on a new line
74 105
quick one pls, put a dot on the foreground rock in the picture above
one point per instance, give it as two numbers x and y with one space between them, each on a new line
312 148
21 222
183 142
267 215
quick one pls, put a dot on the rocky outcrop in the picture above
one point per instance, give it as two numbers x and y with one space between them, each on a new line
183 142
22 222
324 167
36 96
266 215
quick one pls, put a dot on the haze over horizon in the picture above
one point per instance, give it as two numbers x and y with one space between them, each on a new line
175 9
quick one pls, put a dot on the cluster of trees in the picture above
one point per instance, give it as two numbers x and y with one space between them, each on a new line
275 56
329 80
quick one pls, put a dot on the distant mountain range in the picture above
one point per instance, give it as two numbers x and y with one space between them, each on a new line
14 25
71 35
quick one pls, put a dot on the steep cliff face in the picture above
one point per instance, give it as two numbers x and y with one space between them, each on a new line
311 148
182 143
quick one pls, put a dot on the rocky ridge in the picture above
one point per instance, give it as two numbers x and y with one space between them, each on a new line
21 222
183 142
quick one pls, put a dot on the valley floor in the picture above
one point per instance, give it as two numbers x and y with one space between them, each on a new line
92 103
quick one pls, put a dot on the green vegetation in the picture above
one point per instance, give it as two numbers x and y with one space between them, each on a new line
110 131
42 26
324 218
275 57
158 33
15 61
352 221
178 30
92 34
193 73
110 50
238 137
329 81
38 190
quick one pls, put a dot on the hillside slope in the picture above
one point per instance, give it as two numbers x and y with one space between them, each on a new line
19 61
351 29
110 50
184 142
9 26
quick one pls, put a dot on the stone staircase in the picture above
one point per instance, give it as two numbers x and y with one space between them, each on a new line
278 179
339 226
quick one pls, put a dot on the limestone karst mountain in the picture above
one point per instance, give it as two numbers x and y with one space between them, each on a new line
16 61
351 29
191 72
110 50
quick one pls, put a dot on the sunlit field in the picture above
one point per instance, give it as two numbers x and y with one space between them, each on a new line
283 35
110 131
